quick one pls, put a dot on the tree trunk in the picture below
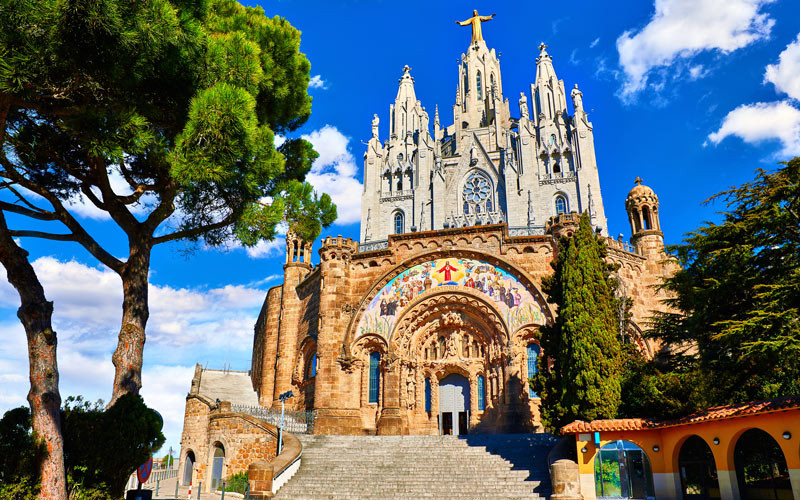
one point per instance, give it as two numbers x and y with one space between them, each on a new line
127 357
35 313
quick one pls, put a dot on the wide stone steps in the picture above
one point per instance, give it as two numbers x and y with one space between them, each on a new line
502 467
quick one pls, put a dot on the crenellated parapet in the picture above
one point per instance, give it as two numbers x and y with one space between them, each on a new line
337 248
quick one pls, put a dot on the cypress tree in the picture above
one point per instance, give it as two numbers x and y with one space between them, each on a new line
580 373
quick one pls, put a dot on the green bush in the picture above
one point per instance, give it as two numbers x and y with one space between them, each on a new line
237 483
101 448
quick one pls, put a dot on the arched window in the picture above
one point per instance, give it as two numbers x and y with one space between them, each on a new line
399 222
533 367
561 205
556 168
481 393
466 208
646 217
428 395
374 376
400 182
491 81
311 366
552 139
477 193
479 86
489 205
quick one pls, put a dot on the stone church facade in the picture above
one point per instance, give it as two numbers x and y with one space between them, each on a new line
430 324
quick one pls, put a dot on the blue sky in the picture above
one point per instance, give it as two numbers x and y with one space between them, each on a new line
691 95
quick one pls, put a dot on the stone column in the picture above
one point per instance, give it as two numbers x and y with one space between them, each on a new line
728 485
287 333
391 421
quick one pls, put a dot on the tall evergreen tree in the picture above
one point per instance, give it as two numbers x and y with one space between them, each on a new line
737 296
163 115
580 373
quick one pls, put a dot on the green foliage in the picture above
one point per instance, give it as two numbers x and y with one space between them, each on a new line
182 100
20 450
735 335
237 483
102 448
20 455
580 373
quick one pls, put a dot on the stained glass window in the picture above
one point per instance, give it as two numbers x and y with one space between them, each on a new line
481 393
533 368
561 205
479 86
477 193
399 223
428 395
374 376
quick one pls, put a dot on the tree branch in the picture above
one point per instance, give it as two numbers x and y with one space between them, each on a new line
40 234
195 231
35 214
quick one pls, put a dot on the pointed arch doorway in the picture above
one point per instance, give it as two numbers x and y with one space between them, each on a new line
454 404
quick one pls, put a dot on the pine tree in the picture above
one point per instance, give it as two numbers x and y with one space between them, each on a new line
580 373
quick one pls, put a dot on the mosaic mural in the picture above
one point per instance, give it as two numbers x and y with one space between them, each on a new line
511 298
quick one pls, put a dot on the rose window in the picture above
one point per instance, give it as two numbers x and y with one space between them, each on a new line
476 190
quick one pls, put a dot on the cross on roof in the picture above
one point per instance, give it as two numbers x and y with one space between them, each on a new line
638 180
542 46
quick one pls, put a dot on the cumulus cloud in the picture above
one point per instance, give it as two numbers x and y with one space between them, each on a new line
786 74
680 30
186 325
759 122
317 82
335 171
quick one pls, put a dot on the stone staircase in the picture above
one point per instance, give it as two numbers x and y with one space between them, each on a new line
503 466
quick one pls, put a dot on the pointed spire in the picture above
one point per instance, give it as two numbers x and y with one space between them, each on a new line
406 90
436 116
544 65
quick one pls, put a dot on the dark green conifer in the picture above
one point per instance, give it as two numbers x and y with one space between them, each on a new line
580 372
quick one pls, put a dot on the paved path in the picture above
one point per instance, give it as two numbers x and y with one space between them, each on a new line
166 491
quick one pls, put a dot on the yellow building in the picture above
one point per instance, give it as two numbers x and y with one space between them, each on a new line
747 451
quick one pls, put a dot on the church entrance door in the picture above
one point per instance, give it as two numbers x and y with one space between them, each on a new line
454 403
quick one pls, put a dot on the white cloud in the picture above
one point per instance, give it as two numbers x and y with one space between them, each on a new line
317 82
786 74
335 171
186 325
264 249
759 122
681 29
594 43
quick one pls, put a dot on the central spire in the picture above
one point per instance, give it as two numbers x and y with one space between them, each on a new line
476 21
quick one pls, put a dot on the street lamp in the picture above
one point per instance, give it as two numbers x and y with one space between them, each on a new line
283 397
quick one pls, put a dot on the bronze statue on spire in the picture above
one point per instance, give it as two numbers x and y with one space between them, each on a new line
476 21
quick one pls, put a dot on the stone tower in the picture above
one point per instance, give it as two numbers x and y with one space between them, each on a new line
488 166
642 207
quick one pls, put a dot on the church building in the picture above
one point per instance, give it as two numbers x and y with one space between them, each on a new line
430 323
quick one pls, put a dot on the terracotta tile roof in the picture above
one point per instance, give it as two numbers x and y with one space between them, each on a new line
711 414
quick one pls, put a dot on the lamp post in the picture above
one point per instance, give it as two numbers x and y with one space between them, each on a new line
283 397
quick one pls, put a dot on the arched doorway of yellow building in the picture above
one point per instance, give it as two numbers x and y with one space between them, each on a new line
761 467
698 470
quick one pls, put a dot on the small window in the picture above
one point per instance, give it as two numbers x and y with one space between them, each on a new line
556 168
479 86
533 368
399 222
466 208
646 216
552 139
481 393
374 376
311 367
491 81
561 205
428 395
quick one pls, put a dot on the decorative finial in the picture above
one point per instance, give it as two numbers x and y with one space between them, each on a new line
406 68
638 181
542 46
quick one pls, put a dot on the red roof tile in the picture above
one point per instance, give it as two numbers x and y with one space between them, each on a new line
711 414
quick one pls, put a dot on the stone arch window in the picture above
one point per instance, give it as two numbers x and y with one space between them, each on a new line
477 193
561 205
311 366
374 376
491 82
552 138
400 182
188 468
556 168
428 394
399 222
533 350
646 218
479 86
622 470
481 393
698 469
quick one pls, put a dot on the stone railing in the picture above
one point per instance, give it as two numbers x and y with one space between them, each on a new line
373 245
526 231
266 478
